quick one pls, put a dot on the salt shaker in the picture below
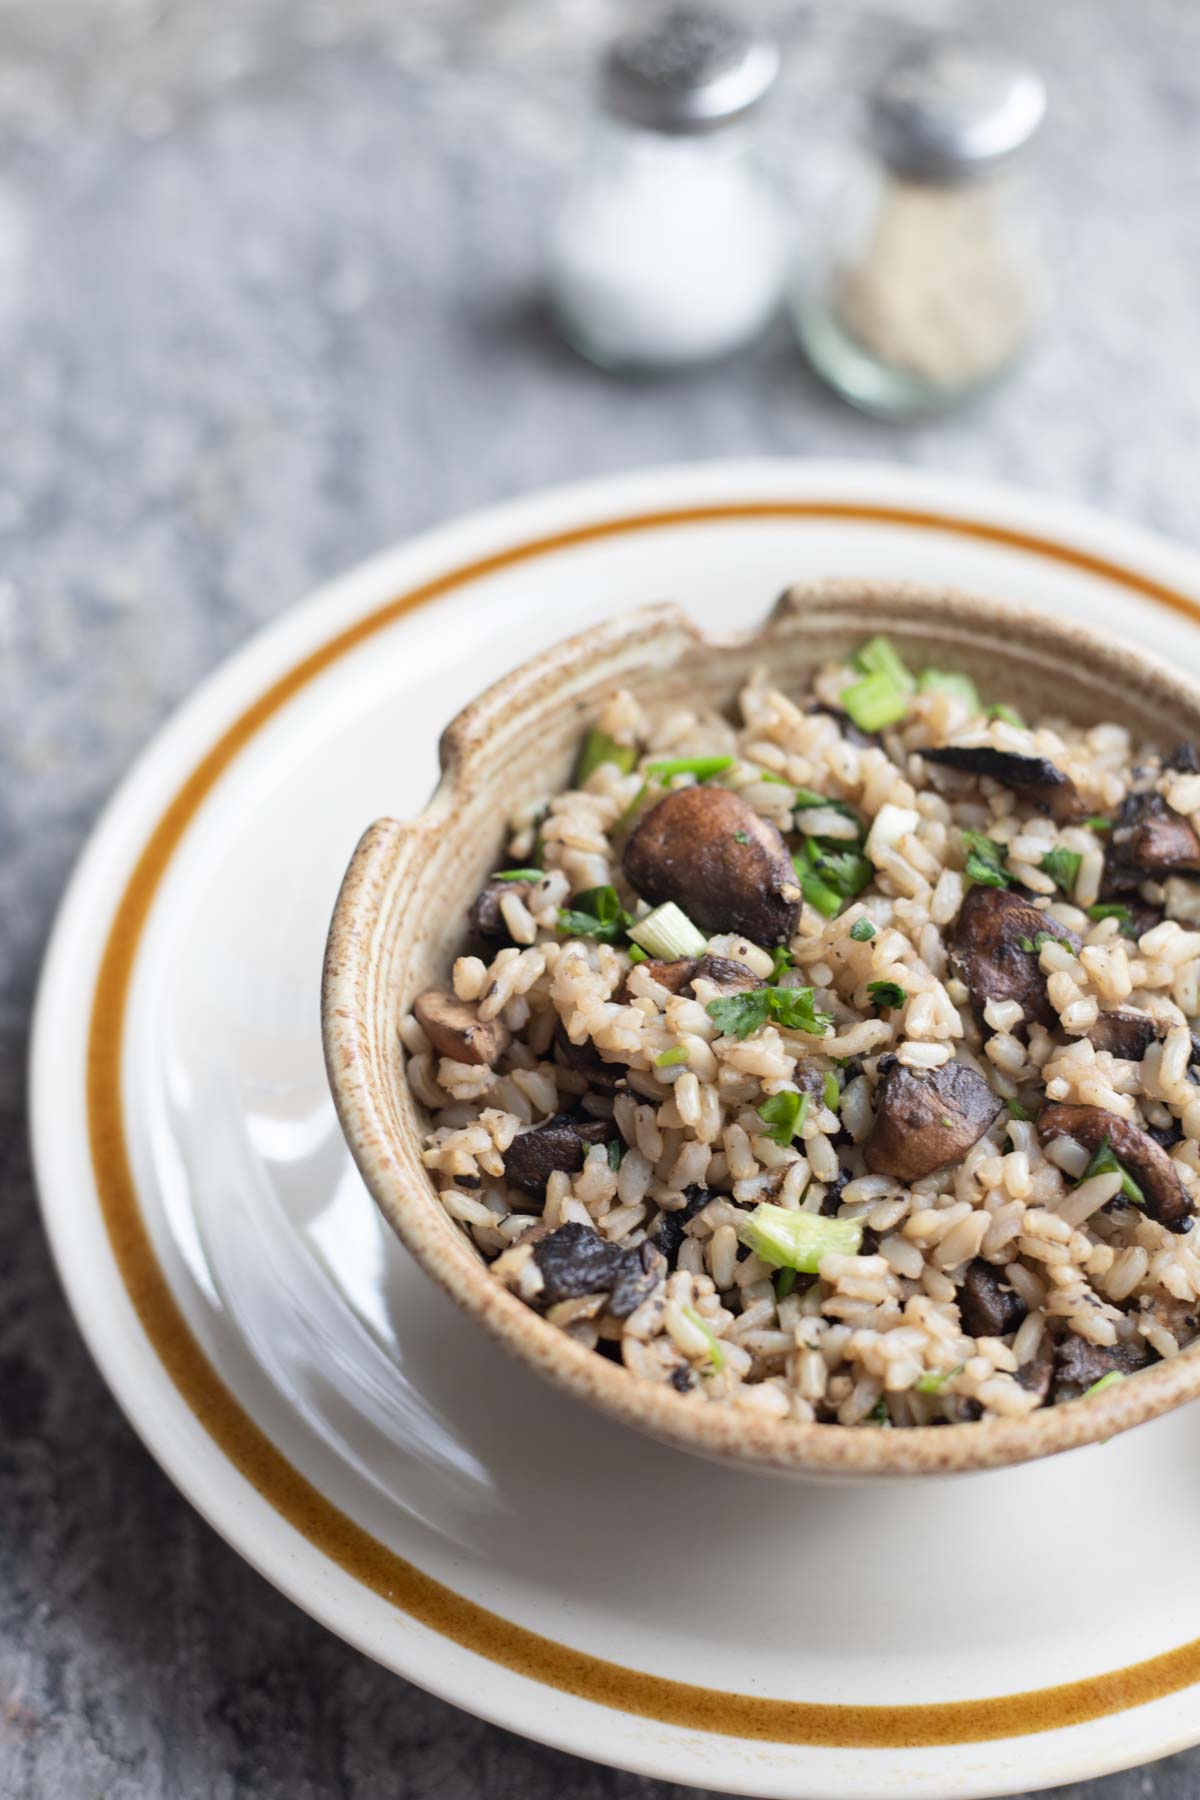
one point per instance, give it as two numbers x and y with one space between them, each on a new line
932 286
670 247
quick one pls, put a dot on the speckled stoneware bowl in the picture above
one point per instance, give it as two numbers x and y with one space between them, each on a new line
400 920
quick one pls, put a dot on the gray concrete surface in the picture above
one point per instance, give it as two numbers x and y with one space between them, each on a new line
268 301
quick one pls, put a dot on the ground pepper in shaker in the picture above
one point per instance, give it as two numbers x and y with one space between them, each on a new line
670 249
933 286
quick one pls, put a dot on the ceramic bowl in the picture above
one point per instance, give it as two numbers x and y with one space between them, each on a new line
400 921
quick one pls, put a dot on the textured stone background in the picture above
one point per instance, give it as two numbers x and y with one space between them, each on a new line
268 275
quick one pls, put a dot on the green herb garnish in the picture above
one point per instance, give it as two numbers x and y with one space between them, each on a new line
1009 714
875 702
808 799
1033 946
741 837
785 1281
949 681
599 748
702 767
669 1058
667 932
715 1353
1017 1111
781 962
1098 823
862 931
518 874
886 993
1105 1381
637 954
1112 909
737 1015
986 860
831 1093
879 656
798 1240
785 1113
614 1150
1062 866
879 1414
817 893
598 914
937 1379
1105 1163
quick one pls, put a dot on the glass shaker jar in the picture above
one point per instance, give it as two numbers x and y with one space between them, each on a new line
670 247
933 285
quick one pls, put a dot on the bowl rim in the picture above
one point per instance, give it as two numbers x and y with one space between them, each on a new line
727 1433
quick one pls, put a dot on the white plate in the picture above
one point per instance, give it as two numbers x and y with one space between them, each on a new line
359 1441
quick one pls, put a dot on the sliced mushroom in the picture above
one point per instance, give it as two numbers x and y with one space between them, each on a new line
991 924
488 923
728 976
710 853
586 1060
1035 780
1124 1033
1184 759
1079 1365
1037 1373
561 1143
454 1030
1147 1162
575 1260
1149 838
988 1305
668 1234
925 1120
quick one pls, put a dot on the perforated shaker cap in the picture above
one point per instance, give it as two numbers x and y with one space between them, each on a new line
694 69
953 109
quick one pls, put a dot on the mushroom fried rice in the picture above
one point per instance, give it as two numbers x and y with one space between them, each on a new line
836 1060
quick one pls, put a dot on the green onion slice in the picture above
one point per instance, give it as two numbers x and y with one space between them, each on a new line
887 993
1105 1163
831 1093
879 656
1105 1381
518 874
1062 866
702 767
715 1353
798 1240
875 702
599 748
668 933
862 931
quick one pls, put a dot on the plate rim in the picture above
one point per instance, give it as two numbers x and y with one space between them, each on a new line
313 622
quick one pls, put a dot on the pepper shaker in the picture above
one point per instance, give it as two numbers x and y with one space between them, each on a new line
670 247
932 286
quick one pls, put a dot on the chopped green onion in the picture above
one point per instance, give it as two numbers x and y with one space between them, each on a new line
668 1059
518 874
808 800
781 962
1017 1111
862 931
1112 909
715 1353
1009 714
771 776
785 1113
599 748
817 893
1105 1381
702 767
636 954
667 932
1098 823
737 1015
937 1379
1033 946
1062 866
785 1281
1105 1163
879 1414
614 1150
886 993
874 702
879 656
831 1093
798 1240
949 681
598 914
985 860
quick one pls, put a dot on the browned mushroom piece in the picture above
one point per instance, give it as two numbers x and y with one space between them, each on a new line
988 933
727 975
677 977
710 853
454 1030
925 1120
1149 838
487 921
1124 1033
1079 1365
1136 1151
561 1143
575 1260
988 1305
1035 780
1037 1373
603 1077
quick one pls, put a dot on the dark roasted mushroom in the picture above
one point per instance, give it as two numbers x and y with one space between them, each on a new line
925 1120
668 1233
1147 1162
987 1304
575 1260
678 976
1124 1033
454 1030
1079 1365
729 870
487 921
561 1143
1148 838
1184 759
991 924
586 1060
1035 780
1038 1372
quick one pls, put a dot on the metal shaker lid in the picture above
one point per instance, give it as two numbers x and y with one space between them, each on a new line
694 69
952 109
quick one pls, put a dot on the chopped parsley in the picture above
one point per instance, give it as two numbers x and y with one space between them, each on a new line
986 860
737 1015
596 913
1062 866
808 798
886 993
785 1113
781 962
1033 946
862 931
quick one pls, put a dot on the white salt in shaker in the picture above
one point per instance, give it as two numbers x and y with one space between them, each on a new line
670 247
932 286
